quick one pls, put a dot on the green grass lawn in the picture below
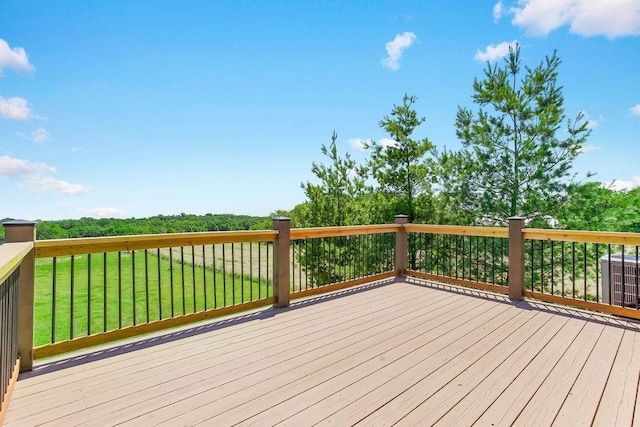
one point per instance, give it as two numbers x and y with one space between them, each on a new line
133 288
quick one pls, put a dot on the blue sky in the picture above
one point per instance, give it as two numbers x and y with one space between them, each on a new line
136 108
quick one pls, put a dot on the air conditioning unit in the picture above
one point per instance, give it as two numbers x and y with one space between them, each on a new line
613 278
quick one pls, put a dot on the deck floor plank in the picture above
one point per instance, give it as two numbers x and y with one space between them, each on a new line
188 396
264 396
228 351
580 406
419 353
547 399
506 407
408 351
500 396
617 403
107 398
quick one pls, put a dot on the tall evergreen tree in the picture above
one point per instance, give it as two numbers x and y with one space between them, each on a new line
401 168
517 155
332 201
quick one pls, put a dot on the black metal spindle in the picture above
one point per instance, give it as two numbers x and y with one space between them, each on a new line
88 294
71 301
119 290
193 276
146 282
184 302
133 286
562 268
171 281
553 271
585 270
251 271
204 276
215 274
233 274
573 270
104 292
597 273
224 277
242 271
624 279
159 284
610 281
53 302
532 263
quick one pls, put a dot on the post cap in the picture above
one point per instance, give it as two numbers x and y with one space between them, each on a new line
18 222
281 218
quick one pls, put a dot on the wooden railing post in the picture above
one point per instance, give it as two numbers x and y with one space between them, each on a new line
401 245
281 285
516 259
24 231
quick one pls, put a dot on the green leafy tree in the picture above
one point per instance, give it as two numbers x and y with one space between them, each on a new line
332 201
593 206
401 168
517 154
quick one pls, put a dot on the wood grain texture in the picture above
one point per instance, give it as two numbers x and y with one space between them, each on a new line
61 247
354 230
459 230
11 256
612 237
406 351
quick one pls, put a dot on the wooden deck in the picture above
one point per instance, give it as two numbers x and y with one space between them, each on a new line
405 352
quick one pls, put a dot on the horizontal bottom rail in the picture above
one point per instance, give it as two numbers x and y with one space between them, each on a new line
460 282
585 305
106 337
7 395
342 285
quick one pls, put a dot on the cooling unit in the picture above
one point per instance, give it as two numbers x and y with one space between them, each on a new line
613 278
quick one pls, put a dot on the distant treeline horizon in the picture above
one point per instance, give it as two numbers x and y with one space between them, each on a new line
157 224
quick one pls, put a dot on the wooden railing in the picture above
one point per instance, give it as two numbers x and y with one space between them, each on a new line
96 290
91 291
16 262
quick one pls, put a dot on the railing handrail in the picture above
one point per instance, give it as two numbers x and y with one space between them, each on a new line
316 232
11 256
85 245
606 237
459 230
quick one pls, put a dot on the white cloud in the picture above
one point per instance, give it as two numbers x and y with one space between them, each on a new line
387 142
493 53
359 143
106 212
591 123
15 108
36 177
635 110
588 148
39 135
610 18
395 48
498 11
15 59
620 185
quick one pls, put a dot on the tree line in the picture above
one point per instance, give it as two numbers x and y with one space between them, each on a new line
518 149
92 227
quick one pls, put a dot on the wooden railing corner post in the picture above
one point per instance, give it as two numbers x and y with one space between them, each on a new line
24 231
401 245
516 259
281 262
